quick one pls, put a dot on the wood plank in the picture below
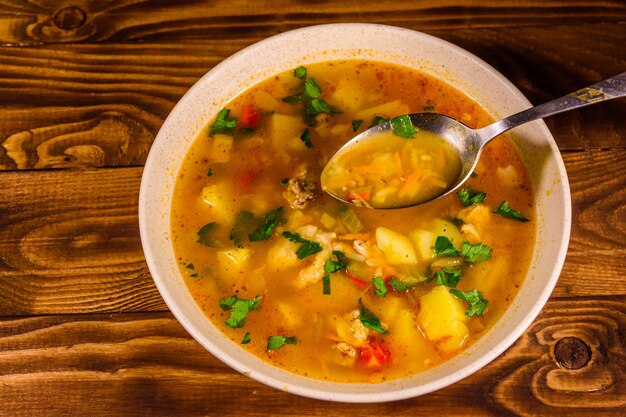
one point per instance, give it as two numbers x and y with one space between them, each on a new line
146 364
24 22
101 105
69 240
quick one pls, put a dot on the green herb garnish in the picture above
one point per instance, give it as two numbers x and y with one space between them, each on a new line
299 72
306 138
284 181
477 304
444 247
246 338
307 248
317 106
429 108
369 319
403 127
276 342
507 212
475 253
244 224
356 124
448 277
194 275
311 89
378 120
190 266
239 309
270 221
331 266
380 287
223 123
209 172
469 196
206 234
326 284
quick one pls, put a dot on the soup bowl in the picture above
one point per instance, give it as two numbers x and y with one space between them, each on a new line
428 54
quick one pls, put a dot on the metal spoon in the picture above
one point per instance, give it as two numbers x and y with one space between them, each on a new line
469 142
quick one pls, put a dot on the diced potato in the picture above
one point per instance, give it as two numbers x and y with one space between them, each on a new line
282 256
508 176
397 248
348 95
442 318
285 131
218 197
339 130
232 264
407 338
289 316
266 102
390 109
441 227
489 276
424 243
392 307
221 147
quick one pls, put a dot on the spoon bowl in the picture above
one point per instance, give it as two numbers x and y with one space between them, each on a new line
465 141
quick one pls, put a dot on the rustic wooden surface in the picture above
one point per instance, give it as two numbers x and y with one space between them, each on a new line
84 88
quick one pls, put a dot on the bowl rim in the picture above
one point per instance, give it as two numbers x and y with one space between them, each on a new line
324 394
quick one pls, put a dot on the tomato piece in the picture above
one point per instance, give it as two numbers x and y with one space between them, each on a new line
359 283
375 355
244 180
250 118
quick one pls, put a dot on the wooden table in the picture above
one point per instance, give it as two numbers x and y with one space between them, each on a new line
84 88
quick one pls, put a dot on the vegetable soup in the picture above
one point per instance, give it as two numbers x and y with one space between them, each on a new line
325 289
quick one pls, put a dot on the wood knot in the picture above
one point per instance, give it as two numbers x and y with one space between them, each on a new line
69 18
572 353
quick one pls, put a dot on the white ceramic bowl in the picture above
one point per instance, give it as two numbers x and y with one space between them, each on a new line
355 41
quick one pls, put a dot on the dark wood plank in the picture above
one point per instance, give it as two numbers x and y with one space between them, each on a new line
101 105
25 22
69 240
146 364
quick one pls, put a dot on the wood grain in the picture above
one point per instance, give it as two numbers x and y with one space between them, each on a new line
146 364
101 105
69 240
27 22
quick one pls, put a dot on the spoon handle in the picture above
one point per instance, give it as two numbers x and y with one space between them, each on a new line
608 89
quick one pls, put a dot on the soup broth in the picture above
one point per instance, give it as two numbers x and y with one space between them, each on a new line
324 289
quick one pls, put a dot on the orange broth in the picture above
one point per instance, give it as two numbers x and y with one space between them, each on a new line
235 181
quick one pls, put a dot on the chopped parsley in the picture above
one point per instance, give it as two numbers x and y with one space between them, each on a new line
284 181
403 127
443 247
270 221
311 89
299 72
239 309
475 253
317 106
477 304
190 266
370 320
224 123
307 248
507 212
428 108
331 266
378 120
448 277
206 234
469 196
209 172
194 275
244 224
276 342
326 284
246 338
306 138
380 287
356 124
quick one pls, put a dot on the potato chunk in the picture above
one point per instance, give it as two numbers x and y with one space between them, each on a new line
397 248
442 319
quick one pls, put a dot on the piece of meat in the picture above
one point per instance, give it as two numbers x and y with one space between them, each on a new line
301 189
